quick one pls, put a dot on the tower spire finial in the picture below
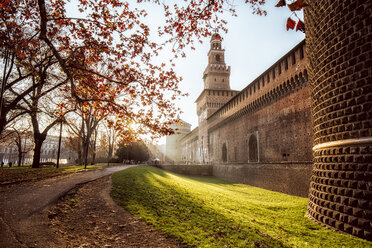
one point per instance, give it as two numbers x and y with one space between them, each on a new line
216 36
216 41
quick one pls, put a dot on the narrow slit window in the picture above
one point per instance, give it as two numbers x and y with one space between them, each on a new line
286 64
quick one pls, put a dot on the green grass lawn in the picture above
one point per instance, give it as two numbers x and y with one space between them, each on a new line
17 174
209 212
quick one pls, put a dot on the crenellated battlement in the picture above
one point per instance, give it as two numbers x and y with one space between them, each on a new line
286 75
218 68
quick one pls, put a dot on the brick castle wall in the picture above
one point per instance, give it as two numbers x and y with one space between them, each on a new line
339 48
294 179
288 178
283 131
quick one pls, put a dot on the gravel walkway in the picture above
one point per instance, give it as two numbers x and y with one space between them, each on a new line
89 217
29 216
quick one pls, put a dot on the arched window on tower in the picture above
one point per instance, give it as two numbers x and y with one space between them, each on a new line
253 149
224 153
218 58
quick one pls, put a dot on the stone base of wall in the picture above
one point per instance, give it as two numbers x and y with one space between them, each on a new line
191 170
288 178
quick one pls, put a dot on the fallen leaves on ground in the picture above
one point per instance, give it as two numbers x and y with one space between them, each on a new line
86 218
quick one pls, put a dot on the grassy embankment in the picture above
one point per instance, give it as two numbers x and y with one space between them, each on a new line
20 174
209 212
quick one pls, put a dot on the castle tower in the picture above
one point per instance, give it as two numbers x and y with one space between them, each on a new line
216 78
217 74
340 80
216 92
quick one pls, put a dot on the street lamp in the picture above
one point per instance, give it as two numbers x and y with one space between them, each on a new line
59 140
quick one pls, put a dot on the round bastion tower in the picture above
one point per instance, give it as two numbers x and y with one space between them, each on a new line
339 48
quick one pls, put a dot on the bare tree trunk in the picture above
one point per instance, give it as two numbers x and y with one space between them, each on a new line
82 135
39 139
2 89
80 154
94 147
85 153
19 155
18 141
3 120
110 151
111 133
87 131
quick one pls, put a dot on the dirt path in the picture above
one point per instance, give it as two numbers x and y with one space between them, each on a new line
85 217
88 217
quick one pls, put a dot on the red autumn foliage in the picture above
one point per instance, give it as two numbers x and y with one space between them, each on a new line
297 5
300 26
198 19
281 3
290 24
3 3
105 56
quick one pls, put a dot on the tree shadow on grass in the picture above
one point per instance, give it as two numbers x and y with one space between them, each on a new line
177 214
162 199
203 179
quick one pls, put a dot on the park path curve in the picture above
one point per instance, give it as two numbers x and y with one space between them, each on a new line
22 221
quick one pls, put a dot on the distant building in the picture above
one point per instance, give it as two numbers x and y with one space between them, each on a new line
173 141
49 151
12 142
9 151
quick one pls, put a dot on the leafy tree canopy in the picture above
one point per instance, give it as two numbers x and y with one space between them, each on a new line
105 55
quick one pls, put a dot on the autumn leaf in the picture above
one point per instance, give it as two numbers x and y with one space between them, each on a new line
281 3
300 26
297 5
4 3
290 24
